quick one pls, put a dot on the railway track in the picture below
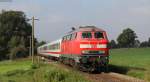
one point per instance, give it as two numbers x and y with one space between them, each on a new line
101 77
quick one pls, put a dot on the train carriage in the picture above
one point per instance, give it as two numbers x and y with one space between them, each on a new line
85 48
52 49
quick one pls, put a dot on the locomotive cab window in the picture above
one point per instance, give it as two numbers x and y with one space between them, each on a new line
98 35
86 35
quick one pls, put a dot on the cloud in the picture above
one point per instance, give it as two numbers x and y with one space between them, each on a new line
55 18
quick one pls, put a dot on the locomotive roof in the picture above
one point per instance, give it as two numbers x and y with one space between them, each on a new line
86 28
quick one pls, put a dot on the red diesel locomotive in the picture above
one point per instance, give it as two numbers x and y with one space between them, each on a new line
85 48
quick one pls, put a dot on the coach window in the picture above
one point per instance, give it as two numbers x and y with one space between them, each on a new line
58 45
98 35
86 35
45 48
49 47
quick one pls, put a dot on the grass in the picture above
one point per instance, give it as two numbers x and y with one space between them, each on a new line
6 66
24 71
133 62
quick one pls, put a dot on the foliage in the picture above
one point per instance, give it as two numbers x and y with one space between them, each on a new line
41 43
127 38
137 44
113 44
144 44
35 66
14 33
149 42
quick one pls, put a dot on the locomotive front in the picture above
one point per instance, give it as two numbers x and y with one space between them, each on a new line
93 49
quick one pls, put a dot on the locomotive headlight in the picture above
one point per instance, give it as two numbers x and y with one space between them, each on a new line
101 46
85 52
101 52
85 46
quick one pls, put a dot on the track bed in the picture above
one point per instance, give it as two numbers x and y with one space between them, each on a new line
102 77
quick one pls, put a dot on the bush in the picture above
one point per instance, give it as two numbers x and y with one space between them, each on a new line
35 66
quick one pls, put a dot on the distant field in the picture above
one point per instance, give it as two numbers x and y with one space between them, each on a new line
24 71
133 62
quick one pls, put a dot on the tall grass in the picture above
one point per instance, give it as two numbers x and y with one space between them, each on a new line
39 73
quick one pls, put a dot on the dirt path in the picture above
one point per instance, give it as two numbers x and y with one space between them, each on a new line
111 77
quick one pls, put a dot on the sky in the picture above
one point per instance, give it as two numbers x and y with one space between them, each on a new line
56 17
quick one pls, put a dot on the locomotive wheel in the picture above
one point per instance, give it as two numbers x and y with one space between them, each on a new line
106 69
76 66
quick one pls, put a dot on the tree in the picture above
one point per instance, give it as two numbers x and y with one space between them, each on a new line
127 38
112 44
38 44
41 43
144 44
137 43
14 31
16 47
149 42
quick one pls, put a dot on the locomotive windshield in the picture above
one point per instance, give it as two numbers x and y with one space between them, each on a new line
86 35
98 35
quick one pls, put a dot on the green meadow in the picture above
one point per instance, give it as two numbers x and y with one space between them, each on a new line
131 61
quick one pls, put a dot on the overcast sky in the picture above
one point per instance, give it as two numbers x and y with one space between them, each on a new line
56 17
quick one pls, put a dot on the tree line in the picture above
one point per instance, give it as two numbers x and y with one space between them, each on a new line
128 39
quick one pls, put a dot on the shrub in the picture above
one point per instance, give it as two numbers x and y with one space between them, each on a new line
35 66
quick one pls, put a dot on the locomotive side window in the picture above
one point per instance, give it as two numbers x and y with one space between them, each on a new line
73 36
64 38
98 35
68 37
86 35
